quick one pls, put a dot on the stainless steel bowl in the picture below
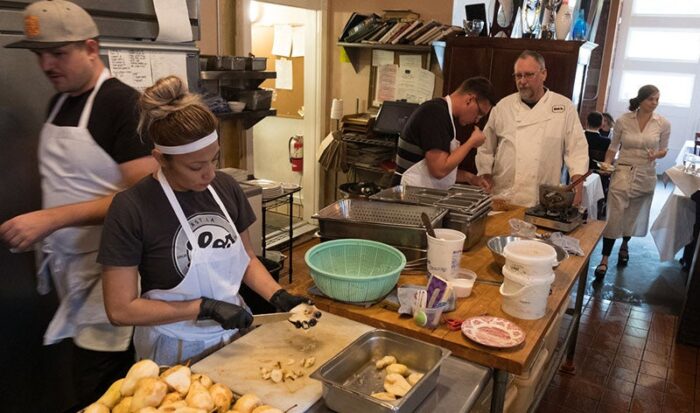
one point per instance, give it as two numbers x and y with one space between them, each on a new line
497 245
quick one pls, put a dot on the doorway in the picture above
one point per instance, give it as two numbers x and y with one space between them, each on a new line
659 44
291 34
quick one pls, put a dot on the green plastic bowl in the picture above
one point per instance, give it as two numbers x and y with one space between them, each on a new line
355 270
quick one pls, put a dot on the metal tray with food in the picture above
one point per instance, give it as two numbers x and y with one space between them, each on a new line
351 377
392 223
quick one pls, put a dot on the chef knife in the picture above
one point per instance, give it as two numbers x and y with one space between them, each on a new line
260 319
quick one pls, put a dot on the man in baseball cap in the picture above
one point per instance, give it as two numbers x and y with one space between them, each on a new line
88 150
55 23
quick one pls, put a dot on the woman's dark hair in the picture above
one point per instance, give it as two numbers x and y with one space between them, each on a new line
173 116
643 93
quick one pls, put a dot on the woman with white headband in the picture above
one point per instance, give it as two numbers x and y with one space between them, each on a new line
184 231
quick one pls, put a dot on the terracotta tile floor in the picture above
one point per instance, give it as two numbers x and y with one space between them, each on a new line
627 360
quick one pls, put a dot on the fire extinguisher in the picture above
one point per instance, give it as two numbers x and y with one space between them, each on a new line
296 153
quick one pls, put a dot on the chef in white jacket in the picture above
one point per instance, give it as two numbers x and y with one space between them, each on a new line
530 135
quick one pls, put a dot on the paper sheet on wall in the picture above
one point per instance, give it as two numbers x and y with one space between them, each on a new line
411 61
165 64
395 83
173 21
283 67
382 57
282 41
386 84
132 67
298 41
415 85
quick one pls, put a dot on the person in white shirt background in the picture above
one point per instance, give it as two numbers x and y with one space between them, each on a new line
530 136
641 136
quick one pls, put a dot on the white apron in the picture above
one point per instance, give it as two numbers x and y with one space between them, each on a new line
214 273
630 194
74 168
419 175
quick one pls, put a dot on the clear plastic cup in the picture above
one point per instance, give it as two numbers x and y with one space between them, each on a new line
428 317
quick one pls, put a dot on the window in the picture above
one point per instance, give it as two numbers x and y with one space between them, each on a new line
676 88
680 45
666 8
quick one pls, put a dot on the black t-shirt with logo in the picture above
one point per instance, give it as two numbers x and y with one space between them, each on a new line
141 228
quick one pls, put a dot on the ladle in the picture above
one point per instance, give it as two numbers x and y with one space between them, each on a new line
428 226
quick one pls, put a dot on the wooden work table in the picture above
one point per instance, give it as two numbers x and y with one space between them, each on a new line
484 299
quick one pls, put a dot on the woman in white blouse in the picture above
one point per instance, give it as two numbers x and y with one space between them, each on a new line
641 136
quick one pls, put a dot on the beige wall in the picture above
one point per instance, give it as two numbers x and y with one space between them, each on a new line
343 82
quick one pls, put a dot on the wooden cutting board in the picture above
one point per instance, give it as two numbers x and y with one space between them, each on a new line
238 364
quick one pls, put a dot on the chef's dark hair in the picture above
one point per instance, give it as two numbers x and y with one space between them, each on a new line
533 54
594 120
173 116
642 95
479 86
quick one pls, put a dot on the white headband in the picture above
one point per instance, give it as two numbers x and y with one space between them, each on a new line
190 147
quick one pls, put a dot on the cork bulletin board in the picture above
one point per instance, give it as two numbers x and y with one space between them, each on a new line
287 102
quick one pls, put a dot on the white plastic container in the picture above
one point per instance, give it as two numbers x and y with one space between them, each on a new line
464 282
445 252
524 296
528 383
530 258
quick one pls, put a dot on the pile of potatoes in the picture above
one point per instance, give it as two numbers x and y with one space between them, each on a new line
176 390
398 381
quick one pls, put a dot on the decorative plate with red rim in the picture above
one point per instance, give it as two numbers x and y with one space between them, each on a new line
493 331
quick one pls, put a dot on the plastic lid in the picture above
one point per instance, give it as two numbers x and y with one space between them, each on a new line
529 252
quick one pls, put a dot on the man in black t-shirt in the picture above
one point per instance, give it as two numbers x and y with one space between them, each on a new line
88 151
429 152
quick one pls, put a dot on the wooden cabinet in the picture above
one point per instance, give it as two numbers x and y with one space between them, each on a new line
493 58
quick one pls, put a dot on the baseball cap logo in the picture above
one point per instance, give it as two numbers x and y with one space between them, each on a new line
31 26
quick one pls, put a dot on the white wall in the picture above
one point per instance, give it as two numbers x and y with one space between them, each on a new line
270 152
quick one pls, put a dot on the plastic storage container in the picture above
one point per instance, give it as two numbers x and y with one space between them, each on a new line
528 383
258 99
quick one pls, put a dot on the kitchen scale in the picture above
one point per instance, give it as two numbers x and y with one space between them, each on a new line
564 220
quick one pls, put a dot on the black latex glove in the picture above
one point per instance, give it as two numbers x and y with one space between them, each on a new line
284 301
229 315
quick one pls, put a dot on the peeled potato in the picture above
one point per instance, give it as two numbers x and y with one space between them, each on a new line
204 379
222 397
199 397
123 406
112 396
397 368
144 368
149 409
396 384
172 406
413 378
247 403
383 396
96 408
150 392
385 361
178 378
266 409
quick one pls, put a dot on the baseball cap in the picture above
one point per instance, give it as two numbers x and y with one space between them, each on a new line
55 23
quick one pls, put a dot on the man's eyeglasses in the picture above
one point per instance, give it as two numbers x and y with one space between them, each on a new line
524 75
482 112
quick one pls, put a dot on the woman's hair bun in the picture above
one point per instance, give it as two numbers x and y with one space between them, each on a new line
167 95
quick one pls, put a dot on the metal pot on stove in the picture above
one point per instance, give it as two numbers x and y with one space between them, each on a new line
556 197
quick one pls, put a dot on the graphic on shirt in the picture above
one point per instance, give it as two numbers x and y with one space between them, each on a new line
210 231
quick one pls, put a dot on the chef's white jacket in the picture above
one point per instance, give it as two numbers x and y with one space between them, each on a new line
525 147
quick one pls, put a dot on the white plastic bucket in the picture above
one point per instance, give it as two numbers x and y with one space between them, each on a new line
445 252
524 296
531 258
